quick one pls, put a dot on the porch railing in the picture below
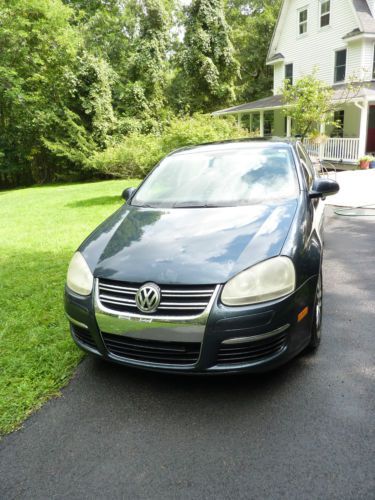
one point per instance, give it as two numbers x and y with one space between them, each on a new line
335 149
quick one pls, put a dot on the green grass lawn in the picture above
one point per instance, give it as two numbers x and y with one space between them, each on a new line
40 228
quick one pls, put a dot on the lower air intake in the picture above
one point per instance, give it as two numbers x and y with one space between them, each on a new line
147 351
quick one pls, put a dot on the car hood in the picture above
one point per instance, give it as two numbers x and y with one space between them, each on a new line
187 245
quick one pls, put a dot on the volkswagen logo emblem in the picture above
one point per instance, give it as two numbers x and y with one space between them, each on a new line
148 298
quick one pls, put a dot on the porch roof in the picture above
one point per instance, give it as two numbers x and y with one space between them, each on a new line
366 91
273 102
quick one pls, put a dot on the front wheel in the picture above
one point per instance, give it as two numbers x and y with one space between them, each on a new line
316 328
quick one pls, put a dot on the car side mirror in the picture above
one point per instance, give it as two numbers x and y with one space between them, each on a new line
128 193
323 187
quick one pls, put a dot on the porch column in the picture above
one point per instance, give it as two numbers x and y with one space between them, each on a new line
322 144
261 126
363 129
239 119
251 122
288 126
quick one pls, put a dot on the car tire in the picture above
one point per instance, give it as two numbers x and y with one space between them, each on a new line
316 327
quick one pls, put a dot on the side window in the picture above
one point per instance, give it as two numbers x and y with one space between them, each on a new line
289 73
340 65
307 166
302 21
325 13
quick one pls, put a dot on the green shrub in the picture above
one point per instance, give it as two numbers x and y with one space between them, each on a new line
199 129
136 154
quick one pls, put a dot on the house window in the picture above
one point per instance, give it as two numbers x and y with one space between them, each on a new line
302 21
325 13
339 117
289 73
340 66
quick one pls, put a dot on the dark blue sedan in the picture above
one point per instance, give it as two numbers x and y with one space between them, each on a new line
214 264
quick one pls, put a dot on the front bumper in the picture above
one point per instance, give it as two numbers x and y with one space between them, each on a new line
225 339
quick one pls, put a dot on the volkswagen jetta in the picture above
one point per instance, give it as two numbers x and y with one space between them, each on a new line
213 264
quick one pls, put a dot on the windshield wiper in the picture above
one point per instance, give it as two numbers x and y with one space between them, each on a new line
144 205
190 204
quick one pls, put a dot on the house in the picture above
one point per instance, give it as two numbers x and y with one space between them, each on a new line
337 37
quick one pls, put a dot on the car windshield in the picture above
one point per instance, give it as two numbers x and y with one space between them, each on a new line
214 177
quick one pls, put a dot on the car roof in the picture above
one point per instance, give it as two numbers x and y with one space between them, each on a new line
237 144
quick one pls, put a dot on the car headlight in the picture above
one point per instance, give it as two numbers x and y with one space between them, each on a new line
269 280
79 278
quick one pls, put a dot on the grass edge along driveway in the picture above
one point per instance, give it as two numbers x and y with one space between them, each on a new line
40 229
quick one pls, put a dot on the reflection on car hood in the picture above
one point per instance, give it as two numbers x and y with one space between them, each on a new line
188 245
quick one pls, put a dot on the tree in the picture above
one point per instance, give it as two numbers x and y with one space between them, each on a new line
144 90
310 103
134 36
209 68
55 99
37 48
252 23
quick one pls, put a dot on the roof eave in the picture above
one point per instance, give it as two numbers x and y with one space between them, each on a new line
358 36
247 111
269 56
271 62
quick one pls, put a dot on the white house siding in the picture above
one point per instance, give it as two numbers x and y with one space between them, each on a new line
278 77
355 61
368 57
317 47
352 120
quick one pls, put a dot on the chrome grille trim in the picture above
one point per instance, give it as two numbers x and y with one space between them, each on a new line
255 338
172 307
110 288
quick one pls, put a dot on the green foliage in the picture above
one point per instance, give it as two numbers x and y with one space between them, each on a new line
199 129
144 93
55 99
76 76
309 103
38 48
209 68
136 154
252 23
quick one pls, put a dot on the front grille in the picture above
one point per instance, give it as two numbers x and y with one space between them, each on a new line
152 351
83 335
250 351
176 300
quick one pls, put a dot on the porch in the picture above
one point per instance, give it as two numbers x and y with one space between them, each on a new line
355 137
342 150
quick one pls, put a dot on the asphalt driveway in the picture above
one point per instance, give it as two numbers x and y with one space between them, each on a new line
304 431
